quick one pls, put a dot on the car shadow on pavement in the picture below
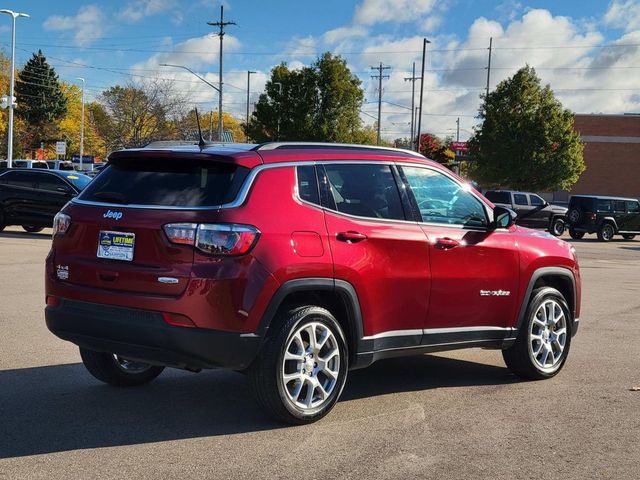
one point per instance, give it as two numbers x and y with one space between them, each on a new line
60 407
12 234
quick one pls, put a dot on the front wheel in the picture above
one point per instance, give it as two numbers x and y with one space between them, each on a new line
557 227
628 236
32 229
576 235
606 232
118 371
299 375
541 348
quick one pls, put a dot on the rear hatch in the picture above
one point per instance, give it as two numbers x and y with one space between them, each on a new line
116 240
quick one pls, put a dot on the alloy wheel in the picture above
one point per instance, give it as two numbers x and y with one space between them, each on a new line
548 336
310 366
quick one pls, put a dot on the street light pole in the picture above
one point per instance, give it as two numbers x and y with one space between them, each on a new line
279 105
12 104
208 83
82 124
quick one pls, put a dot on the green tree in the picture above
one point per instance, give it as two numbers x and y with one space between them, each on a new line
526 140
41 101
317 103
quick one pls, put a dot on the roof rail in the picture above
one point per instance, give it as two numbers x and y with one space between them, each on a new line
303 145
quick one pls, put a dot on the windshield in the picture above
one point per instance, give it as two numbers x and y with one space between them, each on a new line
78 180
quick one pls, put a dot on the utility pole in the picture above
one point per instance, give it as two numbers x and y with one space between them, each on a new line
489 65
249 72
12 103
82 124
458 130
221 24
380 76
412 79
424 54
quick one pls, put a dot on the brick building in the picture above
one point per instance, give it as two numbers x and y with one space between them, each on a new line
611 154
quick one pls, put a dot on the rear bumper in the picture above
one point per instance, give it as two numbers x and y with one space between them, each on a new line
143 335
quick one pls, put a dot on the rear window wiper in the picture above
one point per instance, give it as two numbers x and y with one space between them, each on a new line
111 197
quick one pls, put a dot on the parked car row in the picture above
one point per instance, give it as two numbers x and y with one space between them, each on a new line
31 198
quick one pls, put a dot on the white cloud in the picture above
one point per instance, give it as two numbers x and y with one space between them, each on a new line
136 10
623 14
89 24
370 12
343 33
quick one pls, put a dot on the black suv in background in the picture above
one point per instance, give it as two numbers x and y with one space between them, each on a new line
606 216
533 210
32 197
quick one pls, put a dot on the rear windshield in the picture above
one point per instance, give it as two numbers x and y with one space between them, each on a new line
170 183
78 180
498 197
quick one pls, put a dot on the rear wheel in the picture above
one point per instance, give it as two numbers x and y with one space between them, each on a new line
541 348
32 229
557 226
118 371
606 232
576 235
299 375
628 236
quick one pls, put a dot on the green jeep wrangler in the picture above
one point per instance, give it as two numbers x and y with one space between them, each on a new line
606 216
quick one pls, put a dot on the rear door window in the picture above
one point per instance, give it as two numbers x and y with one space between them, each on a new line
20 179
51 183
520 199
604 206
166 183
619 206
366 190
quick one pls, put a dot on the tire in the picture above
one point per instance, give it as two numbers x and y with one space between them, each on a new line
557 227
575 215
606 232
575 234
628 236
526 357
32 229
281 398
117 371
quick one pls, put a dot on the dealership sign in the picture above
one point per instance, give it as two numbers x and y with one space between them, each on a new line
459 146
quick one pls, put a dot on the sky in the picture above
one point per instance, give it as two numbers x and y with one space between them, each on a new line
587 50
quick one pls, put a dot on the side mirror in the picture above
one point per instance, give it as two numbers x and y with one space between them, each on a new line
503 217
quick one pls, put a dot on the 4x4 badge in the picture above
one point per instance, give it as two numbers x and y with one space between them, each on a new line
114 215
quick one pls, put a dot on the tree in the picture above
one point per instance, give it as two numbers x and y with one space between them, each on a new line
41 101
137 113
185 127
317 103
526 140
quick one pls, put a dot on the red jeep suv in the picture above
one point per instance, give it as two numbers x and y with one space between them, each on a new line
296 263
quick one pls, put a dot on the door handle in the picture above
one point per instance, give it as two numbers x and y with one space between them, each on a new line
350 237
446 243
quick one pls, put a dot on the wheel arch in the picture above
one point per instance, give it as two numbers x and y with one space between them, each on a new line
610 220
561 279
337 296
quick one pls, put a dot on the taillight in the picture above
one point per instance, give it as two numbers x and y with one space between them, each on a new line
591 216
61 223
215 239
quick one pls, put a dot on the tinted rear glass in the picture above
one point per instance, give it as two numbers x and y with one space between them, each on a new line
498 197
175 183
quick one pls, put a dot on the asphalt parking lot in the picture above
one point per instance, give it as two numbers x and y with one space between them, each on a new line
455 415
